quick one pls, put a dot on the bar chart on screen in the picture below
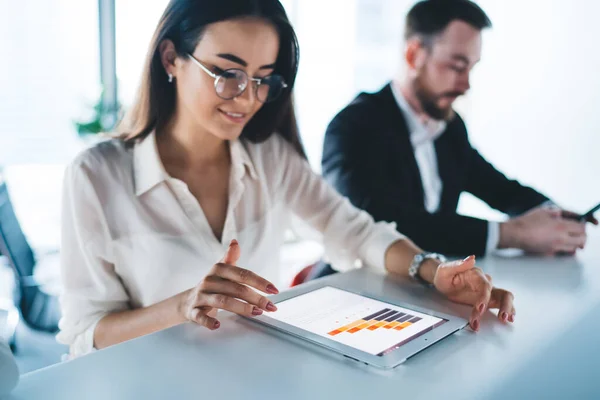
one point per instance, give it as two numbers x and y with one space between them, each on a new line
386 319
361 322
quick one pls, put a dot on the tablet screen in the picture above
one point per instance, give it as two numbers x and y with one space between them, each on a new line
361 322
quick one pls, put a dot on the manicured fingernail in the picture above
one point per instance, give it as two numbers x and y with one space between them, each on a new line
217 325
271 307
511 318
256 311
481 308
504 316
476 325
272 289
233 242
469 258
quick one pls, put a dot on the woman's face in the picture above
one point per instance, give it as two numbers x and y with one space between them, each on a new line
250 45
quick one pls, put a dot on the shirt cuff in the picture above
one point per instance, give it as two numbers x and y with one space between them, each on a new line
493 238
82 343
376 247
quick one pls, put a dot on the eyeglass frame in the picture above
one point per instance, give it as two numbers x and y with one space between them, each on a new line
250 79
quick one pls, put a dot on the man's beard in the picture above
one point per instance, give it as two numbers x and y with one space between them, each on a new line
429 100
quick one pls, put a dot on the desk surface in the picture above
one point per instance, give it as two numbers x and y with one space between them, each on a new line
550 351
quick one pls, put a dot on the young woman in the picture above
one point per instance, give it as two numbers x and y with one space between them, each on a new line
211 156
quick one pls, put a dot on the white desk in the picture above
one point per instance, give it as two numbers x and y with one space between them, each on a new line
550 351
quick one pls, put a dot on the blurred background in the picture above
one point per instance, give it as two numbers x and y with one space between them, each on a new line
531 110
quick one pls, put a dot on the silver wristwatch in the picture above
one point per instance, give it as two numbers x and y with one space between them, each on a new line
419 259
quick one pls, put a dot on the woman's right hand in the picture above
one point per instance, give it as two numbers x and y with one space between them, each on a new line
227 287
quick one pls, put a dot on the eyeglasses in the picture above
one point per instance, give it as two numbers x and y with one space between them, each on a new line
231 83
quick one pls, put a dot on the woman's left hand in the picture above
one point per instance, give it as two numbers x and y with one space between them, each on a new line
462 282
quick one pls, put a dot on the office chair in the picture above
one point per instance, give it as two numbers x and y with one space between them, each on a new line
36 300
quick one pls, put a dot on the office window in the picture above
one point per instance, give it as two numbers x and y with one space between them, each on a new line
49 78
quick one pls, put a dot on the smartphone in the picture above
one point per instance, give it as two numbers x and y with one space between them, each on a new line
587 217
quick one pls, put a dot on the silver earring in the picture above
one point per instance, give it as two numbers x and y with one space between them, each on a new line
170 78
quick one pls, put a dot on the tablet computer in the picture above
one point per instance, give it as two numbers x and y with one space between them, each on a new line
361 326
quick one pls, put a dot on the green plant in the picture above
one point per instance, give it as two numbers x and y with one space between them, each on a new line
103 119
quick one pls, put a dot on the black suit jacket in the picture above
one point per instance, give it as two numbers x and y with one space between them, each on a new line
368 157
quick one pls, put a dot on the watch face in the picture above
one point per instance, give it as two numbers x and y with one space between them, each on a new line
414 267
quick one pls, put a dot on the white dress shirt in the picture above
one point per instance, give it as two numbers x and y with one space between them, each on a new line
423 134
133 236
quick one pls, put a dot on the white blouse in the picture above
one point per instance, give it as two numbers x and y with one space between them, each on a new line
133 236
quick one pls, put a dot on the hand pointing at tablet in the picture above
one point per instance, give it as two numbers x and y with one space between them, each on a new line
227 287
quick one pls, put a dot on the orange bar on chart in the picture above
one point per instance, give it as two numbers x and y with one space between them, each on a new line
402 326
346 327
377 325
360 327
391 325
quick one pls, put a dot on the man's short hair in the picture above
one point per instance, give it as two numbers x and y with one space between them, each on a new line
429 18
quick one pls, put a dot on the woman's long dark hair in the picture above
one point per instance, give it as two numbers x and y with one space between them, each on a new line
184 22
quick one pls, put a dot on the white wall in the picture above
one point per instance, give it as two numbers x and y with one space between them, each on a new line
325 83
346 46
533 108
